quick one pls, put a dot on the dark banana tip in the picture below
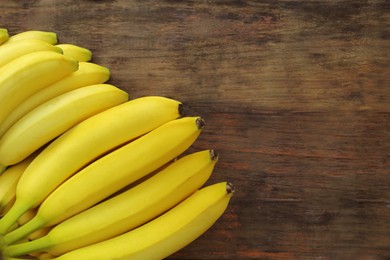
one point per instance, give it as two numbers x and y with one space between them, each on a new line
180 109
229 187
214 155
200 123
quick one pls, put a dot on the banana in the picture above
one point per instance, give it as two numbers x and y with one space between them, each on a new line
91 138
111 173
87 74
165 234
9 180
11 51
75 52
29 73
3 35
54 117
127 210
49 37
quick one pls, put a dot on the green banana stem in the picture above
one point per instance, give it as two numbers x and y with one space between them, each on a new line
27 247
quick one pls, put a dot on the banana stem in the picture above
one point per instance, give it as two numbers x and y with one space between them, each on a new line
16 211
28 247
22 231
230 188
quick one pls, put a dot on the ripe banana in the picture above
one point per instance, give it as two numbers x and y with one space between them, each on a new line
28 74
127 210
9 179
91 138
165 234
11 51
49 37
54 117
111 173
75 52
87 74
3 35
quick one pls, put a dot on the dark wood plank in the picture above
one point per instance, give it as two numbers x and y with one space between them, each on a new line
296 99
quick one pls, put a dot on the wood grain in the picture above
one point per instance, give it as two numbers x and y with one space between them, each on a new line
296 99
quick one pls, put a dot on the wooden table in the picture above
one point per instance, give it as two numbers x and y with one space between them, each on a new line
296 99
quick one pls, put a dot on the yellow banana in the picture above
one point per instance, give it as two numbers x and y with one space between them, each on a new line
3 35
75 52
11 51
9 180
54 117
49 37
87 74
111 173
127 210
165 234
91 138
28 74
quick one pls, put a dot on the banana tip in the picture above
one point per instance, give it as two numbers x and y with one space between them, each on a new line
180 109
214 155
229 187
200 123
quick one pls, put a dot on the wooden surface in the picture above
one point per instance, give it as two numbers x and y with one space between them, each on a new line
296 99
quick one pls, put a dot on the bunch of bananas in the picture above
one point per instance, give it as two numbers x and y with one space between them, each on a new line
87 173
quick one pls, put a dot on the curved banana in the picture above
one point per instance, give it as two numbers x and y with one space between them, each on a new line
29 73
76 52
16 49
111 173
87 74
91 138
165 234
127 210
9 179
49 37
54 117
3 35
